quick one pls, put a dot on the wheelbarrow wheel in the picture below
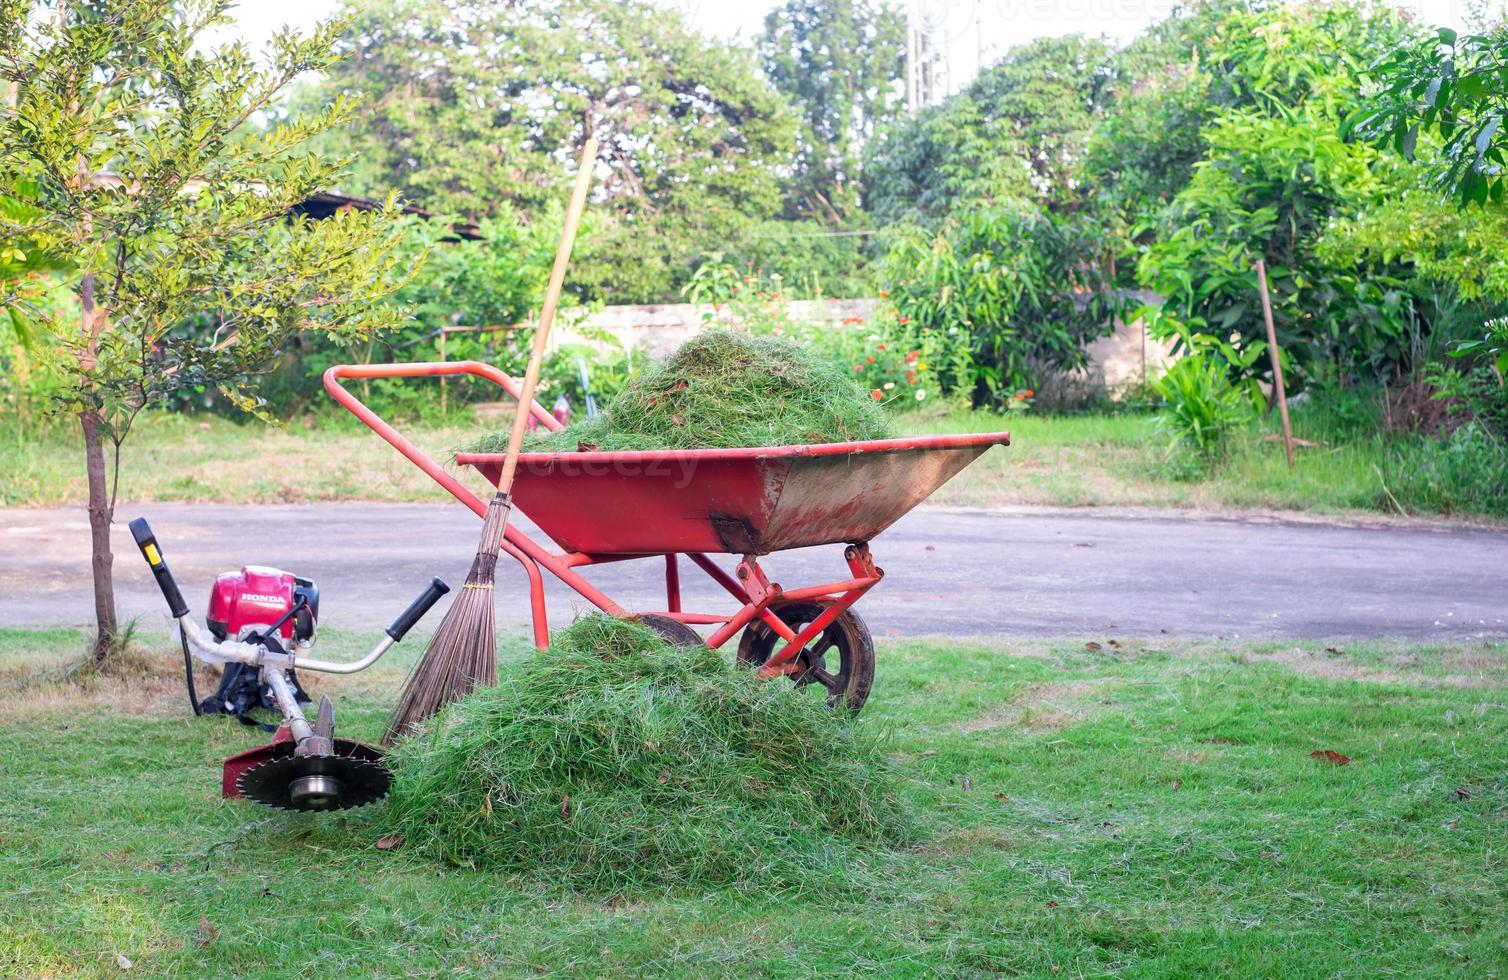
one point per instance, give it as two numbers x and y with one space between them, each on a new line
675 632
838 661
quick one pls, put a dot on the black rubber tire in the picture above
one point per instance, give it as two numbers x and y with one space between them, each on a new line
674 631
847 634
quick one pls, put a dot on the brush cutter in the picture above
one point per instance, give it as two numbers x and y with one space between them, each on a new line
260 629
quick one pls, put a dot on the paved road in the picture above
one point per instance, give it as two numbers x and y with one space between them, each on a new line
1033 571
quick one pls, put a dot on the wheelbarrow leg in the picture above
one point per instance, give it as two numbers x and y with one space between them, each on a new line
865 575
672 584
731 586
537 612
758 593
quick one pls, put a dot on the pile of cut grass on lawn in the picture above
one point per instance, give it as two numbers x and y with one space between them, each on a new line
616 759
721 390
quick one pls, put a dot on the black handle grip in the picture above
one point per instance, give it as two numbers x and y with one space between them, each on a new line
147 542
417 609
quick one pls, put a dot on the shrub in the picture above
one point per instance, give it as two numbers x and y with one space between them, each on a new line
1473 394
615 759
1463 473
995 299
1332 413
1203 404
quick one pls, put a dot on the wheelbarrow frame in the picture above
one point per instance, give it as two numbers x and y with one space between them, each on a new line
748 584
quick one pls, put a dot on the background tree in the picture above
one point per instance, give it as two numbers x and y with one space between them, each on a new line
471 106
1452 89
841 63
1017 134
1273 175
139 163
997 263
1442 102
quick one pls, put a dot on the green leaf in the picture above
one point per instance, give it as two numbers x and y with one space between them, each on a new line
1447 36
23 329
1472 87
1485 136
19 212
1479 191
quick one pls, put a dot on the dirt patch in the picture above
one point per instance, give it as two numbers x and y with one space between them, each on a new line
1041 707
1487 662
140 682
953 842
134 682
1445 668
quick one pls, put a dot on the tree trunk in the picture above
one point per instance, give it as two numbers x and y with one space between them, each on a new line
101 507
100 517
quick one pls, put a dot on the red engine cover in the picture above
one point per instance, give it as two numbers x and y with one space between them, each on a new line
254 596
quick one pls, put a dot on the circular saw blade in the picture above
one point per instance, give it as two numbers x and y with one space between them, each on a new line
356 782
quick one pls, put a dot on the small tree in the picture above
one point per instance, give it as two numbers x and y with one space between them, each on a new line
142 161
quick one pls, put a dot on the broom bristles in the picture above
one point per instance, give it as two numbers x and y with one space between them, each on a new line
462 654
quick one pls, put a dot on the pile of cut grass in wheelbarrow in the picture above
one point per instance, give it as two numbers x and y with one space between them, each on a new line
721 390
614 759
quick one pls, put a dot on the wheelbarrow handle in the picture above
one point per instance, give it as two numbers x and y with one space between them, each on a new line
409 451
438 369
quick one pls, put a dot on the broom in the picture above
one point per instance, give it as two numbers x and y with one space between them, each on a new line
463 652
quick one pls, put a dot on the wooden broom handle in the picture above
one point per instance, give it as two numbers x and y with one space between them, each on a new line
547 312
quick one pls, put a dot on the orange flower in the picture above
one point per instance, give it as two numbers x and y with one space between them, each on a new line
869 359
1029 393
877 394
905 319
911 377
881 347
911 357
1020 397
884 294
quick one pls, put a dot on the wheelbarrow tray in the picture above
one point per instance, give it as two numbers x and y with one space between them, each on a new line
749 501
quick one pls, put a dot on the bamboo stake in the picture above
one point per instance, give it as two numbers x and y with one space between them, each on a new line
1277 360
444 406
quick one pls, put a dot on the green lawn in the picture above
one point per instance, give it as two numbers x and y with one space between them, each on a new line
1123 460
1072 461
1141 808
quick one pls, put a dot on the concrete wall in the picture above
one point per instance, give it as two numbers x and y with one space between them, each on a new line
1128 357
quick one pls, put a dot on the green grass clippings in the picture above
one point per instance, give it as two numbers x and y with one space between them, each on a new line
722 390
617 759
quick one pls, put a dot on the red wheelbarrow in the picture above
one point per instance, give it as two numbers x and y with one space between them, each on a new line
600 507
